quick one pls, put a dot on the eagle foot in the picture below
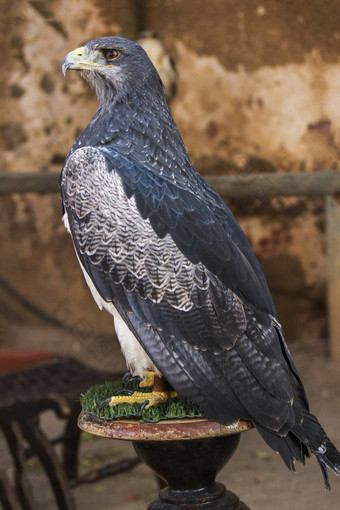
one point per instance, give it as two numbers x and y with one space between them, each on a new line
148 379
146 399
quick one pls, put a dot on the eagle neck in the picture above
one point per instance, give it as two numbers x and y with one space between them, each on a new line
139 125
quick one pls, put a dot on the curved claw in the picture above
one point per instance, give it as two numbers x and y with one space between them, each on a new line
143 406
105 402
132 379
124 392
127 376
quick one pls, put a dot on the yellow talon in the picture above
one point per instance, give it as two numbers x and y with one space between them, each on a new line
153 398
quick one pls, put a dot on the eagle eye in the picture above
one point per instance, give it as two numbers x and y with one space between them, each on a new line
110 54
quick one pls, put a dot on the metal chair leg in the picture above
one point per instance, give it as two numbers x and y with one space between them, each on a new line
8 498
48 458
12 434
70 443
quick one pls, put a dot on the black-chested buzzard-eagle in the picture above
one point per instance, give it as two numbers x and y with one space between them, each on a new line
164 255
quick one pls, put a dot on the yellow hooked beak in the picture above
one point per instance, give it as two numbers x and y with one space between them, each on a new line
81 59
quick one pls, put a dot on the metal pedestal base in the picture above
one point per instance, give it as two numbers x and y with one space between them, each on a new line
189 469
186 454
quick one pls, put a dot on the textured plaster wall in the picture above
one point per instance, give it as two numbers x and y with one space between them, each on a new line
41 114
288 115
259 90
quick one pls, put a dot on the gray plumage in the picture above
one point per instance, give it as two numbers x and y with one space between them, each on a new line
160 246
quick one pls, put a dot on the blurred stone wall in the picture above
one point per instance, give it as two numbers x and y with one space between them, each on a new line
258 91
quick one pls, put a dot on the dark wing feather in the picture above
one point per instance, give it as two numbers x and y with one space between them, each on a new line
200 224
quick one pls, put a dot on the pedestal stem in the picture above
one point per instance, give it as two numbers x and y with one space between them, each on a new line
189 469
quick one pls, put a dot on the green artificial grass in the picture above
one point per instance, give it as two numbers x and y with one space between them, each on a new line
173 409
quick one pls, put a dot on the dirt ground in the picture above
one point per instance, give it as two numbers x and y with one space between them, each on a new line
255 473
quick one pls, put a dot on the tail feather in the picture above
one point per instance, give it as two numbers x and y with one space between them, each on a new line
304 437
280 445
324 472
312 435
299 449
329 458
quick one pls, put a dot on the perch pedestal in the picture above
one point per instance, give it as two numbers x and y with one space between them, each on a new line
186 454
